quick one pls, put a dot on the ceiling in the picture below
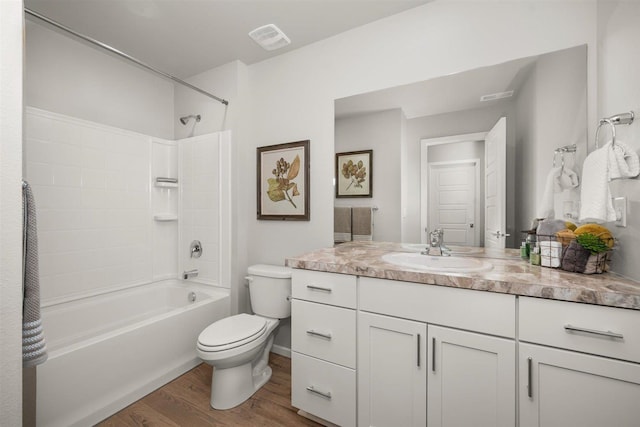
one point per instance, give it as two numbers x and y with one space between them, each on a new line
455 92
187 37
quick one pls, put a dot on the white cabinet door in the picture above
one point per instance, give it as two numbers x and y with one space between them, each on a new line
471 379
565 389
392 371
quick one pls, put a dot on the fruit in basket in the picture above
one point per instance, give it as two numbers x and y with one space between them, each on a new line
570 226
596 230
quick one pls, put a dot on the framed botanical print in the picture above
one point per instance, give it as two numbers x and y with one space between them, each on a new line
354 174
283 181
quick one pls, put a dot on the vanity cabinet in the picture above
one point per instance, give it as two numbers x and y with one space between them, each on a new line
578 365
435 355
323 345
392 371
471 379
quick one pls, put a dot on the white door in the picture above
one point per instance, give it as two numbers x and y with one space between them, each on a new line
453 201
471 379
560 388
392 372
495 217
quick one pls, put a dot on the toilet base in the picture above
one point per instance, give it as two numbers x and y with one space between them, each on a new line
232 386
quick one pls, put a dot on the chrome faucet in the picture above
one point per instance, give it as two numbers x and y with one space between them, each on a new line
190 273
436 246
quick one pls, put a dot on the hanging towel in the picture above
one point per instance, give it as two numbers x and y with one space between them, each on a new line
34 349
341 224
595 196
546 209
362 227
558 180
623 161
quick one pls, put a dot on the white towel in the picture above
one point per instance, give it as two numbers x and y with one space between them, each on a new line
545 208
595 196
623 161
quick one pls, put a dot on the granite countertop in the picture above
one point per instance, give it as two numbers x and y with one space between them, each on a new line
510 274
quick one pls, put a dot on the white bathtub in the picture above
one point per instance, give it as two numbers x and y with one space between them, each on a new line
107 351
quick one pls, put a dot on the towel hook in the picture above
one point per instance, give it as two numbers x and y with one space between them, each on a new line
613 121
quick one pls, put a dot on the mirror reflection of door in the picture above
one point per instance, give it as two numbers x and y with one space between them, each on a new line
454 189
495 145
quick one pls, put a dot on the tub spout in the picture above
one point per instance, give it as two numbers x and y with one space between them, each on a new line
190 273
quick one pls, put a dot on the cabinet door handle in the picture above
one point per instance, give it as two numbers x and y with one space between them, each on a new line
418 363
529 377
319 288
326 395
433 354
570 328
318 334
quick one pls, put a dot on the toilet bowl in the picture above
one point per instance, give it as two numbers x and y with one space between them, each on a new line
238 346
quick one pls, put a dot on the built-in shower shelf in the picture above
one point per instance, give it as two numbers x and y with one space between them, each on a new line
165 217
166 184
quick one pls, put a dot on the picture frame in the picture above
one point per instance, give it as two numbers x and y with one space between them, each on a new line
283 182
354 174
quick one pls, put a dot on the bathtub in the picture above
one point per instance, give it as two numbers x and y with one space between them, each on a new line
107 351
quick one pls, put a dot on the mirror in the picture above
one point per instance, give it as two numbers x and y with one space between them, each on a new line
413 127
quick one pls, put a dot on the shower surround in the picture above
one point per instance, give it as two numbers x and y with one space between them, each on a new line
109 232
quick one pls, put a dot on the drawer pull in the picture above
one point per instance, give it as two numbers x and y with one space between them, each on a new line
318 334
418 351
319 288
570 328
529 377
326 395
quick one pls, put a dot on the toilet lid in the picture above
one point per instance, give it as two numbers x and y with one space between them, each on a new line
232 332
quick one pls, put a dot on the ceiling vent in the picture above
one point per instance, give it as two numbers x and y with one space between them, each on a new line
270 37
498 95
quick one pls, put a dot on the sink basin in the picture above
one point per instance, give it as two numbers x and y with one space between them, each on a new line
455 250
443 264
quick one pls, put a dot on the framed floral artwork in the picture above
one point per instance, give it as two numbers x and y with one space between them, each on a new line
354 174
283 181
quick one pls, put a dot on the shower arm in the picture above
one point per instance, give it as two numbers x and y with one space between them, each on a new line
123 55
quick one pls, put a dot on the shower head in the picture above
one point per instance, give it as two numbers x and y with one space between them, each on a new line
184 120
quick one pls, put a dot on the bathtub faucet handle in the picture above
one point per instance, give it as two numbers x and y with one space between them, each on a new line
190 273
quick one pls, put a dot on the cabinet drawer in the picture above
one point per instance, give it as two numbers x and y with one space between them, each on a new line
478 311
323 389
324 331
327 288
606 331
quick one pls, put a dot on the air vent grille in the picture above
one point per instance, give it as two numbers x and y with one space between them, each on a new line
270 37
498 95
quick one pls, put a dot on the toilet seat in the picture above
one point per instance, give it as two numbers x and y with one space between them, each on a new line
232 332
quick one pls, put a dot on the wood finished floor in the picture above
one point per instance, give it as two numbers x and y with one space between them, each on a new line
184 402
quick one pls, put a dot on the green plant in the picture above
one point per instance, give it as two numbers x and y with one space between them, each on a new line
592 243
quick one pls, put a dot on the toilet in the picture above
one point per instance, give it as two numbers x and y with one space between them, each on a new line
238 346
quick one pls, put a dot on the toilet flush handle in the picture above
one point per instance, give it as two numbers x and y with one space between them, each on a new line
248 279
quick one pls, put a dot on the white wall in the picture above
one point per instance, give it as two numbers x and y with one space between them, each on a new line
382 133
66 76
619 92
11 104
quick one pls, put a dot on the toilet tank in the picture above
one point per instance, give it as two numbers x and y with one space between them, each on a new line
269 290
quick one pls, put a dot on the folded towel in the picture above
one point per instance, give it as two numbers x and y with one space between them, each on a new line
362 225
341 224
548 228
595 197
34 349
623 161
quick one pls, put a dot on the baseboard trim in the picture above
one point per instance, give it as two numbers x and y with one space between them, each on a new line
281 350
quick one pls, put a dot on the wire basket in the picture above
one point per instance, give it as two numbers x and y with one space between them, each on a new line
569 255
